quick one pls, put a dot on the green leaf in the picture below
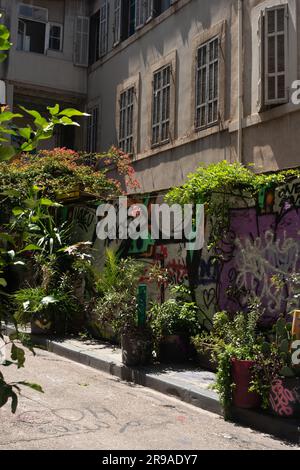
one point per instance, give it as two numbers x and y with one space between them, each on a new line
14 402
65 121
70 112
8 116
25 132
6 237
53 111
39 121
17 211
3 282
18 355
7 152
33 386
30 248
49 203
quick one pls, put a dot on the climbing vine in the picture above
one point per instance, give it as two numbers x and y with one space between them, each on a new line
217 184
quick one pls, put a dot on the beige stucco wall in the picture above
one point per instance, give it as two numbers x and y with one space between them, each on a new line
55 70
270 140
174 31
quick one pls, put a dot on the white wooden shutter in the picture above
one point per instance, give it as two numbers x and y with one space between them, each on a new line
117 21
276 55
103 36
82 29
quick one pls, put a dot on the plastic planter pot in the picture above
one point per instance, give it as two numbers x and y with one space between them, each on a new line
285 397
241 375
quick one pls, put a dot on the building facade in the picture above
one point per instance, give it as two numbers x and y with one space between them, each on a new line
175 83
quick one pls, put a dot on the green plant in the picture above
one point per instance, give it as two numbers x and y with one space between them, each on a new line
178 315
29 137
117 288
32 304
273 360
216 186
235 338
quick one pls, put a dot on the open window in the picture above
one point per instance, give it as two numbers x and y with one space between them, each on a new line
32 26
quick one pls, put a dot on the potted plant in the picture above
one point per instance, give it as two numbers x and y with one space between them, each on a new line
205 344
33 306
275 378
117 308
173 323
236 352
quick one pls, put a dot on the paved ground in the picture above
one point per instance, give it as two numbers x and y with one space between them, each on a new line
86 409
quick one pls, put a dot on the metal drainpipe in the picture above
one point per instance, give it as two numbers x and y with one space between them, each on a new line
240 82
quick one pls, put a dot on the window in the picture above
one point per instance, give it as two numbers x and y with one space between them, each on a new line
31 36
275 36
82 31
94 37
35 34
207 84
126 132
92 130
161 106
55 37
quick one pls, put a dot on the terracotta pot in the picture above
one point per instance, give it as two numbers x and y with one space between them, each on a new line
241 375
285 397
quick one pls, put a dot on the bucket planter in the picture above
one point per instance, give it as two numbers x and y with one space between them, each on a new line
285 397
242 376
174 349
137 348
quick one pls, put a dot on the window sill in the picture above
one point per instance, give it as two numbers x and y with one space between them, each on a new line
259 118
180 142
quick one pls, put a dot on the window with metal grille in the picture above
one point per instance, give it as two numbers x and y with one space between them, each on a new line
161 106
275 55
207 84
126 136
92 130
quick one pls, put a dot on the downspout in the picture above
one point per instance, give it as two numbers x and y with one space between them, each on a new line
240 82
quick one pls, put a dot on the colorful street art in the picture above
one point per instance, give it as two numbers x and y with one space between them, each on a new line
263 241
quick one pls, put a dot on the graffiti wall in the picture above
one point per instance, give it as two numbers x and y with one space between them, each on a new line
263 242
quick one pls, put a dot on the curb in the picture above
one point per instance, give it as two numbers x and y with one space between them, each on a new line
286 429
